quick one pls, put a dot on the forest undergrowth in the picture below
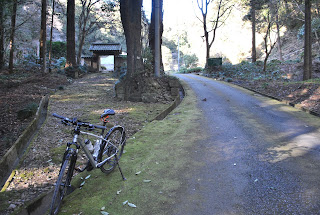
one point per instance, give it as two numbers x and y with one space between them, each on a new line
281 80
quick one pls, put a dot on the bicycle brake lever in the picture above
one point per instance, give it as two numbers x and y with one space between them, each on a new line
65 122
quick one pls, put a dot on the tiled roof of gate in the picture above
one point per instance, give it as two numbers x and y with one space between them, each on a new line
105 47
87 56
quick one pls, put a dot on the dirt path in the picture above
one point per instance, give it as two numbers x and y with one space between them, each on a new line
86 98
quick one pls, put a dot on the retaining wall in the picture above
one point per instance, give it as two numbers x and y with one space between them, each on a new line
11 159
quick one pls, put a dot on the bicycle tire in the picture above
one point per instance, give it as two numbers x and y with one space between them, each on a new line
117 137
62 184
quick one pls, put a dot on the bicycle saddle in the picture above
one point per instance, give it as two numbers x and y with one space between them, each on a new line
107 112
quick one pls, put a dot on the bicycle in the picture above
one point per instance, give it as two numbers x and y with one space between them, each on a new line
105 154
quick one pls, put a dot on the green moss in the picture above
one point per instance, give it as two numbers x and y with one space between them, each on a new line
143 112
57 153
4 196
161 151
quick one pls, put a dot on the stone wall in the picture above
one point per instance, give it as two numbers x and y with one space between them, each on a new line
148 89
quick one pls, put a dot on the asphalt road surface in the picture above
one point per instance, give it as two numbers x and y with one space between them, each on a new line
260 157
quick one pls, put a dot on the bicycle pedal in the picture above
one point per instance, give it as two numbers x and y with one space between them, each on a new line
89 168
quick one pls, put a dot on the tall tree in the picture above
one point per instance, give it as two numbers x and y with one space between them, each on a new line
12 34
253 23
131 22
2 5
51 34
307 68
94 14
222 12
84 25
71 45
276 6
269 43
43 36
152 32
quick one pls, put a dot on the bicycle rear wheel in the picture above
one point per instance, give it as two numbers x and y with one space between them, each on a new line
63 184
112 148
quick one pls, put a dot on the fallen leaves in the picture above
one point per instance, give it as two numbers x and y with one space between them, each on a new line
129 204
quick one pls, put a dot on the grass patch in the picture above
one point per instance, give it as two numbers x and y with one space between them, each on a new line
162 152
57 154
144 112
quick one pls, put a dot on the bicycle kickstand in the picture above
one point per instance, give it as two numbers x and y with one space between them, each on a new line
117 160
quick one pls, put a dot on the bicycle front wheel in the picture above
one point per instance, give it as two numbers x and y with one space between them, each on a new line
62 185
112 149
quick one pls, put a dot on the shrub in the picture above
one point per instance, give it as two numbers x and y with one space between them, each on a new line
73 72
30 62
196 69
190 61
28 111
59 49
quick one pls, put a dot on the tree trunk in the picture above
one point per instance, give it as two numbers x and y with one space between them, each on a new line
279 41
71 45
131 21
1 35
82 28
307 68
43 36
51 32
253 21
13 28
268 44
152 31
278 30
81 43
206 36
222 10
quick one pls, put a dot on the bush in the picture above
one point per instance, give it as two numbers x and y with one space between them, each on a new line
59 63
190 61
73 72
59 49
250 71
27 111
147 60
30 62
196 69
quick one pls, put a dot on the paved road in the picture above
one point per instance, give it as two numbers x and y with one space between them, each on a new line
260 157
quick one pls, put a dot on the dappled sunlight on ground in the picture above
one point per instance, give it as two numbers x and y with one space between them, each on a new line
298 146
34 177
85 100
75 97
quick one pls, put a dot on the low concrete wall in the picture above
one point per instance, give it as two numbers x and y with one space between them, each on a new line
173 105
11 159
41 205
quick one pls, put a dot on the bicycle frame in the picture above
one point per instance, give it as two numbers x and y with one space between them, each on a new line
103 149
93 162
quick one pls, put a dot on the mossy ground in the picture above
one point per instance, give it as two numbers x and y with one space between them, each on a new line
86 98
162 151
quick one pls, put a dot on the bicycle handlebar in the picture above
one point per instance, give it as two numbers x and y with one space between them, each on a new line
74 121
